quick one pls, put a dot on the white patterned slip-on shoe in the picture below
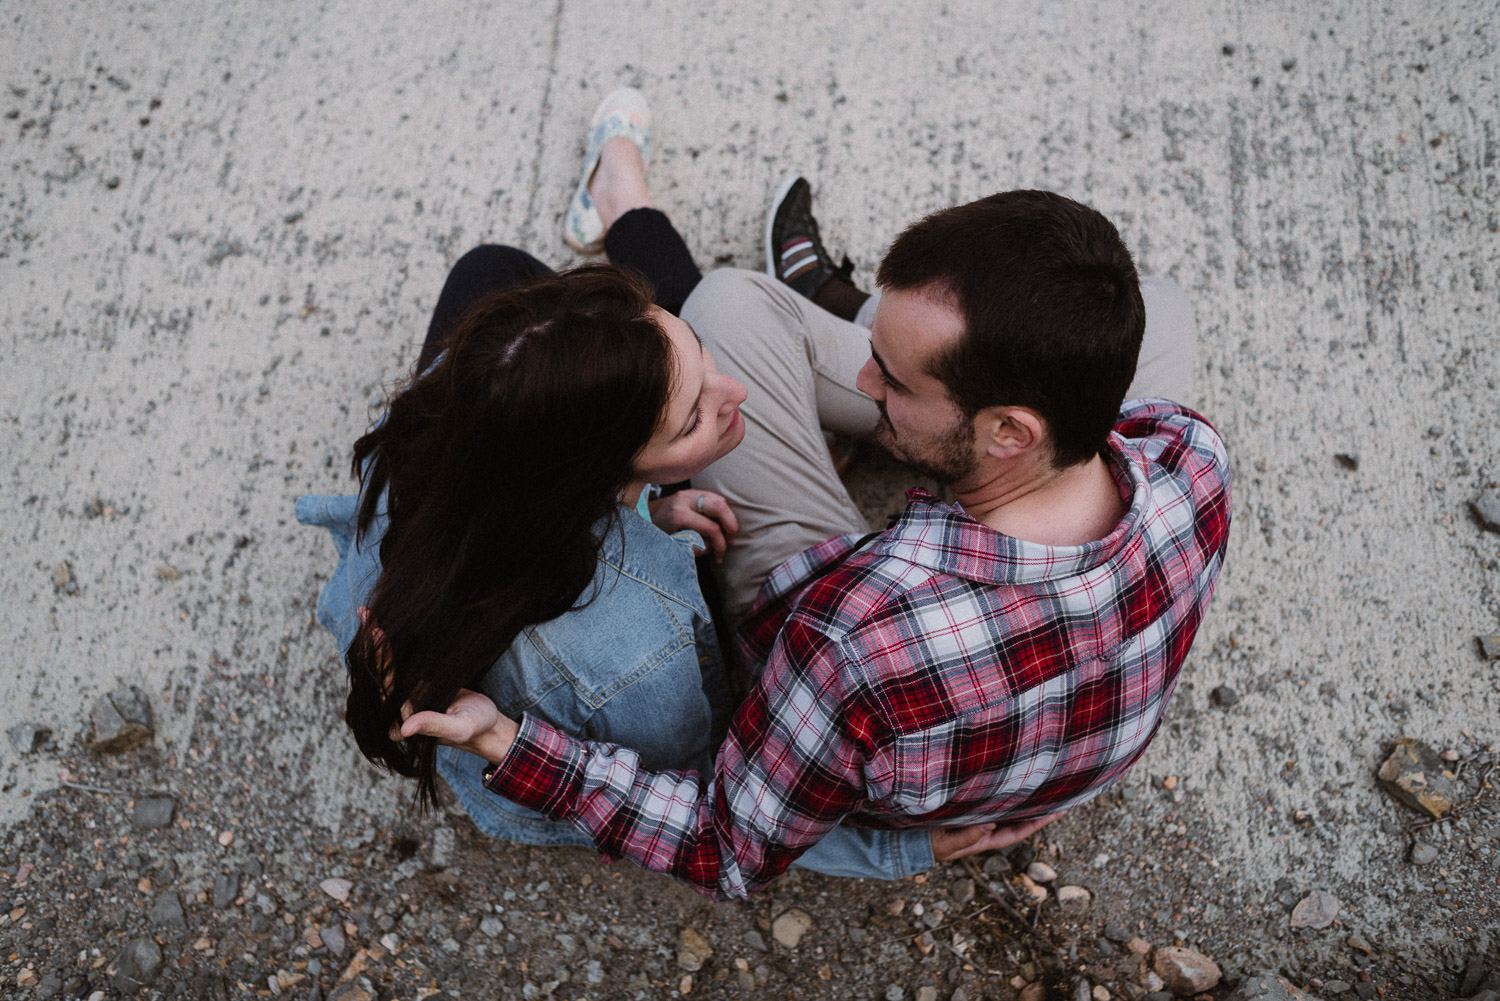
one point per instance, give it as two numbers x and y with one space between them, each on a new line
622 113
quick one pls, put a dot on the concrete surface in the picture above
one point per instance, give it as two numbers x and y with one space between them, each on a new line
225 225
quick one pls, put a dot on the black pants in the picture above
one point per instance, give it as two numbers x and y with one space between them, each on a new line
642 239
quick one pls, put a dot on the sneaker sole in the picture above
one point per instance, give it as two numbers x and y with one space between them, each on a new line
776 200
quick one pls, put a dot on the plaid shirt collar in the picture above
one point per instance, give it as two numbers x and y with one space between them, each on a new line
944 537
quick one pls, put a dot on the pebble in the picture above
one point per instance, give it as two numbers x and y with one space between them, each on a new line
338 889
1033 992
490 926
894 993
693 950
1041 872
226 838
28 739
332 938
1349 460
167 912
1486 508
1267 987
140 961
1073 895
962 891
756 940
62 579
1224 696
1489 645
1139 946
152 812
1170 782
1422 854
1186 971
1117 934
1100 993
226 888
1450 755
1032 888
1316 910
927 993
791 926
1152 982
121 721
1337 986
1366 990
1414 775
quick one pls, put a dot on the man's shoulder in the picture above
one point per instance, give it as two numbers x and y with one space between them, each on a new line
1173 437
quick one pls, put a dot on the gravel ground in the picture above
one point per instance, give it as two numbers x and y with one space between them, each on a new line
224 227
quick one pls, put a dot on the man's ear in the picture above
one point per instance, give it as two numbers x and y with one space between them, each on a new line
1009 432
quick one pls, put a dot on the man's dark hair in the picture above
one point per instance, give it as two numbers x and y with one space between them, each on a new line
1052 310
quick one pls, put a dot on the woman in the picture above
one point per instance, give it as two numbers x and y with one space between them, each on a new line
502 538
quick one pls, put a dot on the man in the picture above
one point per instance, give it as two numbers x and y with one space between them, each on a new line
998 659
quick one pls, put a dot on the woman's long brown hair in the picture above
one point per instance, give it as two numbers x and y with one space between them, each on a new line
502 465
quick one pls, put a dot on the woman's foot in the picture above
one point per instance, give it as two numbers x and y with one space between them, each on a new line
619 182
614 169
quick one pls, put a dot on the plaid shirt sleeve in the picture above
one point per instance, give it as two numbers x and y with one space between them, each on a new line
789 770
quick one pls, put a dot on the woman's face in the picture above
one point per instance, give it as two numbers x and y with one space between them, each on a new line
702 420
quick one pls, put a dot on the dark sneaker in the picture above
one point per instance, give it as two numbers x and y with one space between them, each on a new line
794 252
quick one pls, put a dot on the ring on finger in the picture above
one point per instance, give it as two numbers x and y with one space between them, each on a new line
700 503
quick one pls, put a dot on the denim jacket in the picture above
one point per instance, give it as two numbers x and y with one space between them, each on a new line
638 666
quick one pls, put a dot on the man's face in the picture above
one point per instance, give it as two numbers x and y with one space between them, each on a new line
919 423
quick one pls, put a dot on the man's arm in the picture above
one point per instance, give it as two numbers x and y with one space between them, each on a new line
789 770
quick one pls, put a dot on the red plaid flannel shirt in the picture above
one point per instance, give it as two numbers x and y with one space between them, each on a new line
940 674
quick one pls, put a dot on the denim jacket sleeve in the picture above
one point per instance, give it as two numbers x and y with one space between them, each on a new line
863 851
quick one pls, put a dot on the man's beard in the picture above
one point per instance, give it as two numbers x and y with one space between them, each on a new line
947 457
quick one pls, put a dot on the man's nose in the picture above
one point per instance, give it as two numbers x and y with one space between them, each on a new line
868 381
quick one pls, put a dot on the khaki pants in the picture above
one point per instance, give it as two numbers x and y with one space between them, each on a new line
799 362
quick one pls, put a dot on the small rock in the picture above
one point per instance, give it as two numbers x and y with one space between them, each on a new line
1100 993
791 926
755 940
1348 460
1032 888
1117 934
1169 783
226 888
927 993
140 961
1486 508
693 950
1422 854
1489 645
1473 977
1365 990
28 739
226 838
1081 990
1357 941
167 912
121 721
1186 971
1151 982
62 579
894 992
1139 946
1224 696
1316 910
962 891
351 991
336 888
1041 872
1449 755
332 938
1267 987
152 812
490 926
926 943
1417 777
1337 986
1033 992
1073 895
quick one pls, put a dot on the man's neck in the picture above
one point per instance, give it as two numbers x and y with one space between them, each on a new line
1037 503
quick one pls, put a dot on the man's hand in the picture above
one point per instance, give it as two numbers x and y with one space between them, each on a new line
704 511
949 843
470 723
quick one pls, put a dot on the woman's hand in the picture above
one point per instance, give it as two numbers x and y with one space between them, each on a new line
950 843
471 723
703 511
